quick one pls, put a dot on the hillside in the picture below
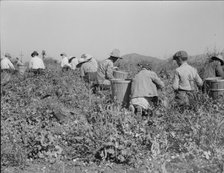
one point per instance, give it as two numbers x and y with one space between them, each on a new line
130 61
135 58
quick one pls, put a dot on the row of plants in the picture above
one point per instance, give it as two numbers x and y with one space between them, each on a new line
52 117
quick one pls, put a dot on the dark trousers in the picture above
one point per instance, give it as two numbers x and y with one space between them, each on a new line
183 97
92 82
37 71
65 68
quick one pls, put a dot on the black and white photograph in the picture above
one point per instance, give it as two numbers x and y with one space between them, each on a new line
112 86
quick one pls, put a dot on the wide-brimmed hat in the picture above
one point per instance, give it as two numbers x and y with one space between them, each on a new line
115 53
8 55
85 57
180 54
218 57
34 53
63 54
71 58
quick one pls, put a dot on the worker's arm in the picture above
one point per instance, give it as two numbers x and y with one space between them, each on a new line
219 71
67 63
82 71
11 65
43 66
176 80
109 72
19 63
157 81
31 64
198 80
62 63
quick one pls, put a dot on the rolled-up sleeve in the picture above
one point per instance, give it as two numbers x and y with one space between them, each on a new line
198 80
176 80
157 81
31 64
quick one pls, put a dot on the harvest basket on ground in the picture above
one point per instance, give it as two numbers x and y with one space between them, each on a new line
120 74
214 87
121 90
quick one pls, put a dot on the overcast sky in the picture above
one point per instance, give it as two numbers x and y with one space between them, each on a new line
149 28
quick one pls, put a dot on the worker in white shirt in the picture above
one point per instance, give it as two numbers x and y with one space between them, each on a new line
36 63
73 61
6 64
64 62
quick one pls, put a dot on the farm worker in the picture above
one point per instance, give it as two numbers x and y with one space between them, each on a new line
6 64
88 67
18 62
106 67
144 95
64 62
213 68
20 66
185 78
73 61
36 63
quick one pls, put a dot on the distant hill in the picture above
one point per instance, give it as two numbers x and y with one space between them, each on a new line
130 61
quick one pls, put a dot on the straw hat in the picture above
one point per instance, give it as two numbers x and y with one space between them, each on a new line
115 53
218 57
8 55
85 57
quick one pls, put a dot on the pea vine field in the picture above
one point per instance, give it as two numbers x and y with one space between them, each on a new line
52 123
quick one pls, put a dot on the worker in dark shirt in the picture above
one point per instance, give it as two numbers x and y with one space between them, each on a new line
214 67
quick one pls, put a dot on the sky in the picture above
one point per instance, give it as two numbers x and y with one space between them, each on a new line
150 28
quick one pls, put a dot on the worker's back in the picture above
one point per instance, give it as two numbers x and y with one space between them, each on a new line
212 69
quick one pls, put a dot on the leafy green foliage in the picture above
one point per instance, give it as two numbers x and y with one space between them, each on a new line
52 117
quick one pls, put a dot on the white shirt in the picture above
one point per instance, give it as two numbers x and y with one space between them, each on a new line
74 63
36 63
185 78
6 64
64 62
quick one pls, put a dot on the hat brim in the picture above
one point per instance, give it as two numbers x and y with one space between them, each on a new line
218 58
81 60
116 57
80 64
